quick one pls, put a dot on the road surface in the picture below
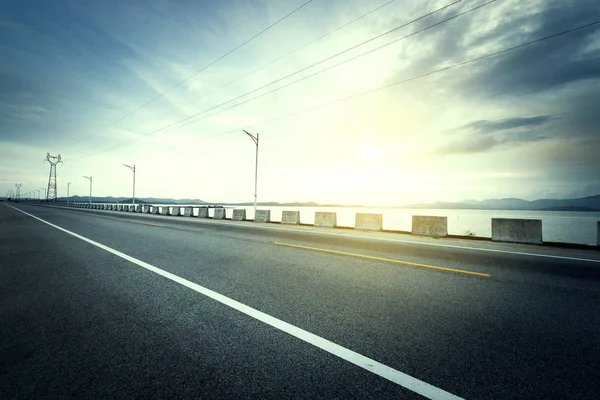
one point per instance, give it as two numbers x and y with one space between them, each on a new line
100 304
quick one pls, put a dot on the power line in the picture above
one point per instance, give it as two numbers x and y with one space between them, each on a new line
414 78
202 69
404 81
323 70
304 69
280 58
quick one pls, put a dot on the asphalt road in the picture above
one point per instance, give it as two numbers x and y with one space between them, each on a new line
82 321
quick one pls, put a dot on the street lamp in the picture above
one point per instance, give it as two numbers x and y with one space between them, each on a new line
133 169
255 140
90 179
68 186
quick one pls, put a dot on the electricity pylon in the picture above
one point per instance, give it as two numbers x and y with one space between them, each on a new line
52 192
18 194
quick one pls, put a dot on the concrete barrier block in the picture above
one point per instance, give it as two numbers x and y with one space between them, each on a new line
239 214
262 216
290 217
188 212
155 210
429 226
165 210
138 208
203 212
326 219
146 209
517 230
368 222
219 213
176 211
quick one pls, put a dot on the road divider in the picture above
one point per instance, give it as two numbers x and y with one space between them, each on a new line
368 222
424 225
239 214
219 213
527 231
326 219
203 212
262 216
290 217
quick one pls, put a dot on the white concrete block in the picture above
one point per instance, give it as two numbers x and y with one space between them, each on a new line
326 219
290 217
203 212
369 222
429 225
239 214
176 211
165 210
262 216
188 212
155 210
219 213
517 230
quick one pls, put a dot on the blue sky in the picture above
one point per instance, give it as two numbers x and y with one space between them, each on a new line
75 73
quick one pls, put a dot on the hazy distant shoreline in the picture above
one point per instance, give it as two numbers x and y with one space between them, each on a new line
584 204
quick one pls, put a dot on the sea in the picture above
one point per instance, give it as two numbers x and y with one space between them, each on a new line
577 227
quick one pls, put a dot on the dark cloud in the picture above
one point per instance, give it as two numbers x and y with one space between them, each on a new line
485 126
485 135
545 65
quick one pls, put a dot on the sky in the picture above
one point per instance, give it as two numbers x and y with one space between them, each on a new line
105 83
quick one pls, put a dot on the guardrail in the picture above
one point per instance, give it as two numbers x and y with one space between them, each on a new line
513 230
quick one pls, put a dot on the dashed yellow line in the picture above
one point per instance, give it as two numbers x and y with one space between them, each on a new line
144 223
460 271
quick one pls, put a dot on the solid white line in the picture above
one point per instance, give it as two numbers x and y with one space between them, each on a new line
389 373
451 246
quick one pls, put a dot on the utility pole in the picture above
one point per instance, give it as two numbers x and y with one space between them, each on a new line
133 169
255 140
18 194
68 186
44 193
52 191
90 179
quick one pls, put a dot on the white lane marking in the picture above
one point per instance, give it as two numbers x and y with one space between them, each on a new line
451 246
389 373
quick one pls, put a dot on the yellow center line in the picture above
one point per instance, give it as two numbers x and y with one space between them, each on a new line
144 223
461 271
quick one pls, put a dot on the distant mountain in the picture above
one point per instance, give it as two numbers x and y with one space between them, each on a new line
591 203
127 200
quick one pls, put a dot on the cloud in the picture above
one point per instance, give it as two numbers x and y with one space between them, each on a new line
485 126
485 135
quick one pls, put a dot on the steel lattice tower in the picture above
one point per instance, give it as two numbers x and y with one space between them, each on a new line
18 194
51 193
